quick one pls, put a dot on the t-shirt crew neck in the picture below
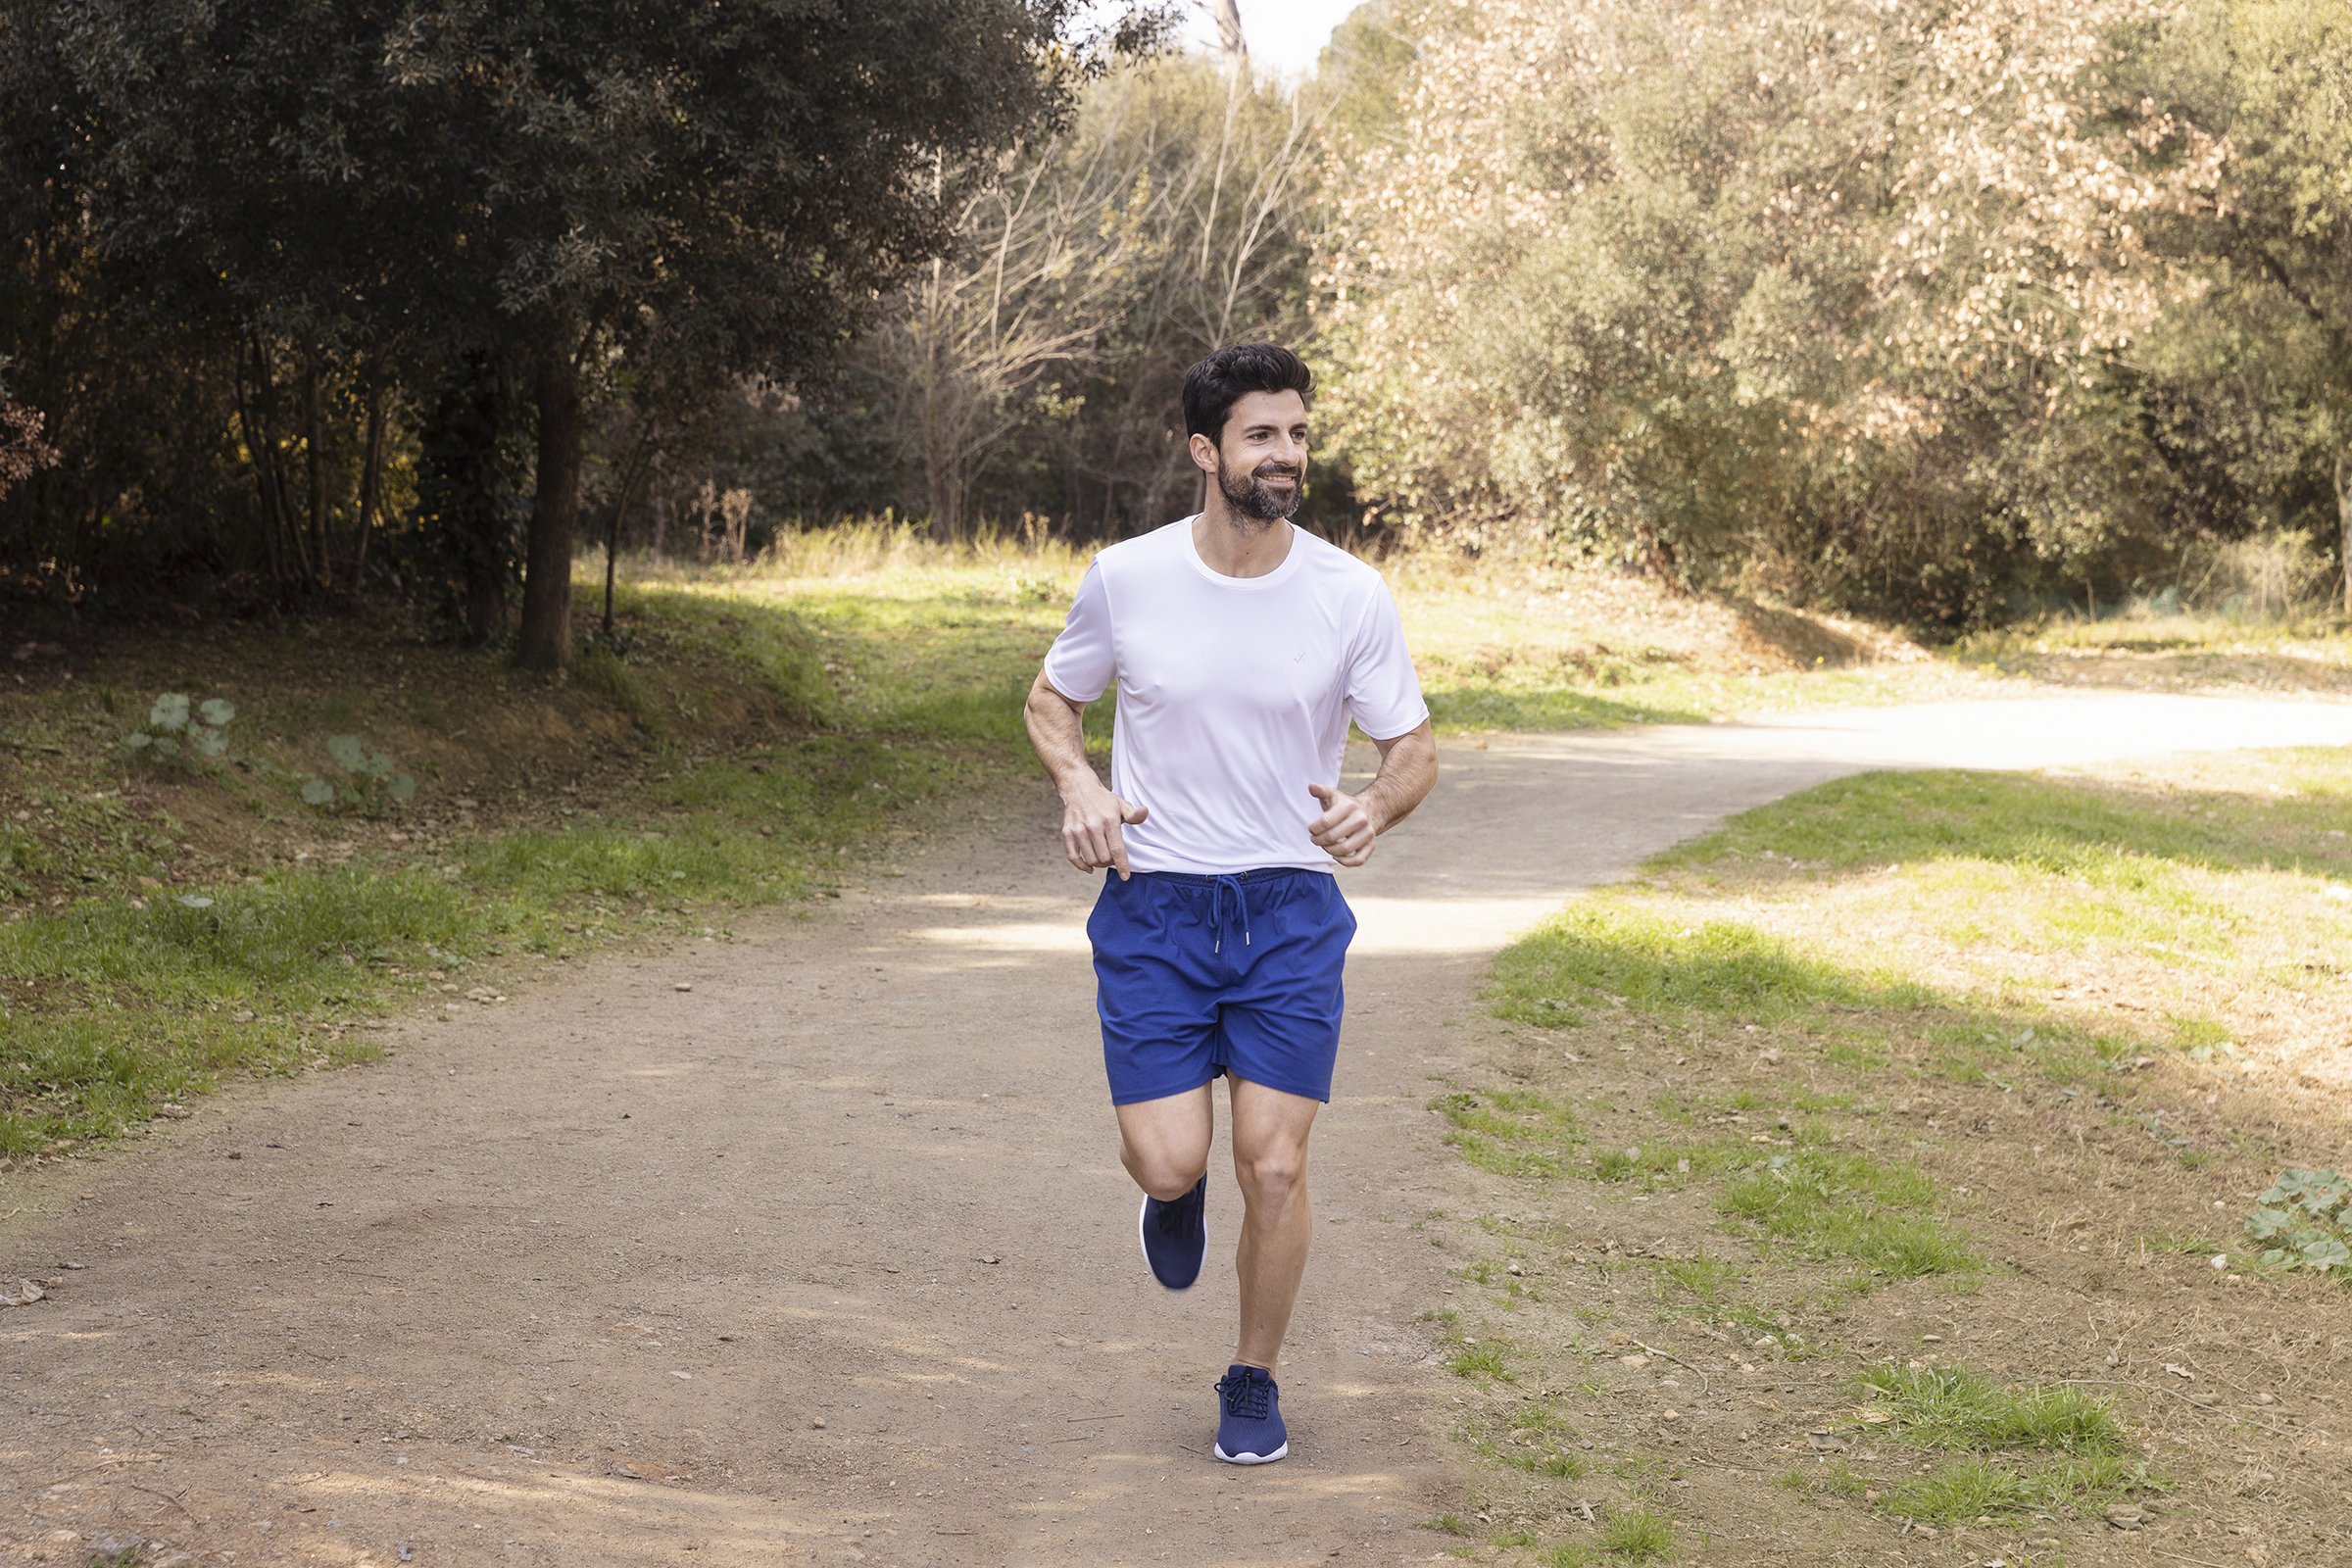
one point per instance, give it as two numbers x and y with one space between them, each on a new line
1234 693
1264 579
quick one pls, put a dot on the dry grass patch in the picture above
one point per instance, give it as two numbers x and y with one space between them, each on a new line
2075 1027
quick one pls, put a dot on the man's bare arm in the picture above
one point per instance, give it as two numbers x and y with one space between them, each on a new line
1091 815
1350 824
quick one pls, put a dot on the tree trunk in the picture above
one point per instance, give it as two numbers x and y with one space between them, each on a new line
461 494
2343 516
631 471
371 487
1232 45
315 471
249 425
546 642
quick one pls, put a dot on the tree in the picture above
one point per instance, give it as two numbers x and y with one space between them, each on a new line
2268 83
1816 299
527 189
1086 275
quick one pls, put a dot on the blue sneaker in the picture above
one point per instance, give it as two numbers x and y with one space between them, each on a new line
1176 1236
1249 1429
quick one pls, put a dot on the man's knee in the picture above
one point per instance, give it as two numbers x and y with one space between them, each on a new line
1165 1174
1273 1177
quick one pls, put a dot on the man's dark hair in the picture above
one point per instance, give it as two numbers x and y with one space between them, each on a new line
1213 386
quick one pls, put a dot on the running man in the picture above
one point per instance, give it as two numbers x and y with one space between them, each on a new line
1241 646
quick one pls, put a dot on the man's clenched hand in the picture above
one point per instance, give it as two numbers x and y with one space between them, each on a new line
1091 821
1346 830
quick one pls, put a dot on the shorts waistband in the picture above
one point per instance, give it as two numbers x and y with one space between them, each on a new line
1209 879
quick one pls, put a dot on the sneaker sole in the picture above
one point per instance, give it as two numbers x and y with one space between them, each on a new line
1252 1458
1141 1214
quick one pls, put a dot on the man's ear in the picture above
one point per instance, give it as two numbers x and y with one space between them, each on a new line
1203 453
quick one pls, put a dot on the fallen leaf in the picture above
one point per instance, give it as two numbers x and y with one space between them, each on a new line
28 1293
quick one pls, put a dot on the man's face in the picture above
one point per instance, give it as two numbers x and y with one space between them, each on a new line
1262 462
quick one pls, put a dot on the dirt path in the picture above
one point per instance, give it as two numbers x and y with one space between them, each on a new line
828 1258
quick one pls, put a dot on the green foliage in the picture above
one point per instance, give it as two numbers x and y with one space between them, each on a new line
1845 310
209 196
2304 1220
362 780
182 735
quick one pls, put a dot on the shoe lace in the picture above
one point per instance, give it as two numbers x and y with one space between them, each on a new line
1244 1396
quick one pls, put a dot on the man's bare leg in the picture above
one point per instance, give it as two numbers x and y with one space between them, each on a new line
1164 1142
1269 1159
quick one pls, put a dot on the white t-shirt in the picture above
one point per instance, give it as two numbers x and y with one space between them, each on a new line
1234 693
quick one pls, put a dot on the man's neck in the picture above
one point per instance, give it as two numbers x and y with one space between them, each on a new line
1234 545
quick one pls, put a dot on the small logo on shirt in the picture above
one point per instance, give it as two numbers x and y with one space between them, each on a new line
1298 657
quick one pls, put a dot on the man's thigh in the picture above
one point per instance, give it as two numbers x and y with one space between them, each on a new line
1170 1134
1270 1126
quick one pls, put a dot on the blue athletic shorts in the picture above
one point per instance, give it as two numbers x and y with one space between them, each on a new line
1201 975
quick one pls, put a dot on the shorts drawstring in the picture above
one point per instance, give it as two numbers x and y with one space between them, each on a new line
1216 906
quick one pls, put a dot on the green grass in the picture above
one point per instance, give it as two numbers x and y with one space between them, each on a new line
1850 1207
1864 970
1509 1132
115 1004
1638 1536
1599 952
2018 1447
1707 1280
1951 1407
1661 1164
1964 1489
113 1009
1479 1362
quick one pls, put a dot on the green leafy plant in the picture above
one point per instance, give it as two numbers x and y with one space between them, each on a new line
2304 1219
180 731
367 781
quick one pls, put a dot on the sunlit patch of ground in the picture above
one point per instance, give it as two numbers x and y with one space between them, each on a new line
1871 1180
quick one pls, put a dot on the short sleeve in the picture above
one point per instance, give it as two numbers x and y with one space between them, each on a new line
1082 659
1384 695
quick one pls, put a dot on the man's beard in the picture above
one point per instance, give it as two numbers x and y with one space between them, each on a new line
1249 498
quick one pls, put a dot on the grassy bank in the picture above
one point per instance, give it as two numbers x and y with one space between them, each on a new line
1888 1176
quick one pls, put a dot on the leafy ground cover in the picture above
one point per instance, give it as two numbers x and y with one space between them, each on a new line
1919 1169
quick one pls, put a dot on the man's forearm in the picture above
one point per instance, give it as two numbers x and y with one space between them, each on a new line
1058 733
1409 770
